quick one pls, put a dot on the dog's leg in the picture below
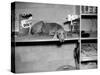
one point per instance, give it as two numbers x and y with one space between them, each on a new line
55 36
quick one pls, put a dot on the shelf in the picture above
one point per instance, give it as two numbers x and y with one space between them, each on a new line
88 38
89 58
75 20
88 50
44 40
89 16
31 40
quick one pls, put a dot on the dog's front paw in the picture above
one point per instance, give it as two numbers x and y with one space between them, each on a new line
55 37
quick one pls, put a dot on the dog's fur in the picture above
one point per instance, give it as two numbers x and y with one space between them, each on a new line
49 28
37 27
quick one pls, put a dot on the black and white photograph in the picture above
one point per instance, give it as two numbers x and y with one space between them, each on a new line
53 37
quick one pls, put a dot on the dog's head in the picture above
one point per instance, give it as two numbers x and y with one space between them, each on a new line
61 35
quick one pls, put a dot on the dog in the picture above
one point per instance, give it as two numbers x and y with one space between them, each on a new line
51 29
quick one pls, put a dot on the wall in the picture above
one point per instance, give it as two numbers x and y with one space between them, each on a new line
89 24
43 58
